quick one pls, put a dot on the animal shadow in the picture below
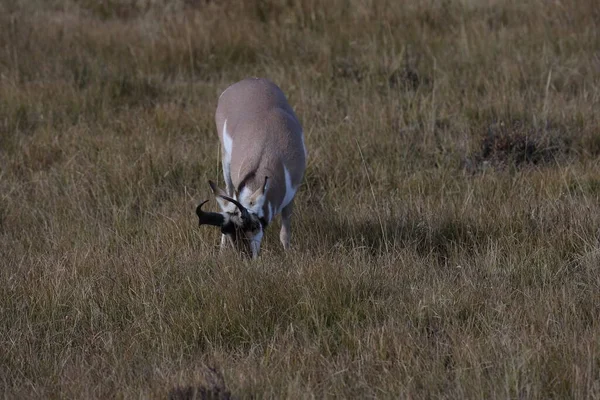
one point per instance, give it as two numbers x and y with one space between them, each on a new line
437 237
213 389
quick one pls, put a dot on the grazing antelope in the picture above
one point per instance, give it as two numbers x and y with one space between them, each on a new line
263 158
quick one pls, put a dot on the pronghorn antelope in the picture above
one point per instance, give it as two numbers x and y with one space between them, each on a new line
263 158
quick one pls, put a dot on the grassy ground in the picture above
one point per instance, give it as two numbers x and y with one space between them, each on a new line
446 237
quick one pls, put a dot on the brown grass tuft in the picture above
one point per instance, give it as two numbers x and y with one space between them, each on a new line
518 143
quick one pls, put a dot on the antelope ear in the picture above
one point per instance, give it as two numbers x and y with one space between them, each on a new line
219 193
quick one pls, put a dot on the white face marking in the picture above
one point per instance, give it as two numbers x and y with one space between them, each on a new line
257 207
290 191
244 195
226 206
255 243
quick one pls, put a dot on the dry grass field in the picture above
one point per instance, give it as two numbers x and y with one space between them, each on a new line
446 237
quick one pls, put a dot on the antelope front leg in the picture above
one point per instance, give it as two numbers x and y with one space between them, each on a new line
286 231
223 243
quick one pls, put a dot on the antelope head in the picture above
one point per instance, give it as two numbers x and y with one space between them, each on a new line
241 225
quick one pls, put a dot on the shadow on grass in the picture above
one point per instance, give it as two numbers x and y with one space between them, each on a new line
199 393
213 389
439 237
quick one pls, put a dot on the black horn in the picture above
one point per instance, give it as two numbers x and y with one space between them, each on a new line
209 218
243 211
221 193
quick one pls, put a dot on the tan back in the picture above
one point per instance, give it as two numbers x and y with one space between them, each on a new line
260 136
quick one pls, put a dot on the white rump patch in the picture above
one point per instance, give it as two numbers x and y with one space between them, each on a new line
304 145
227 144
227 148
270 212
290 191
